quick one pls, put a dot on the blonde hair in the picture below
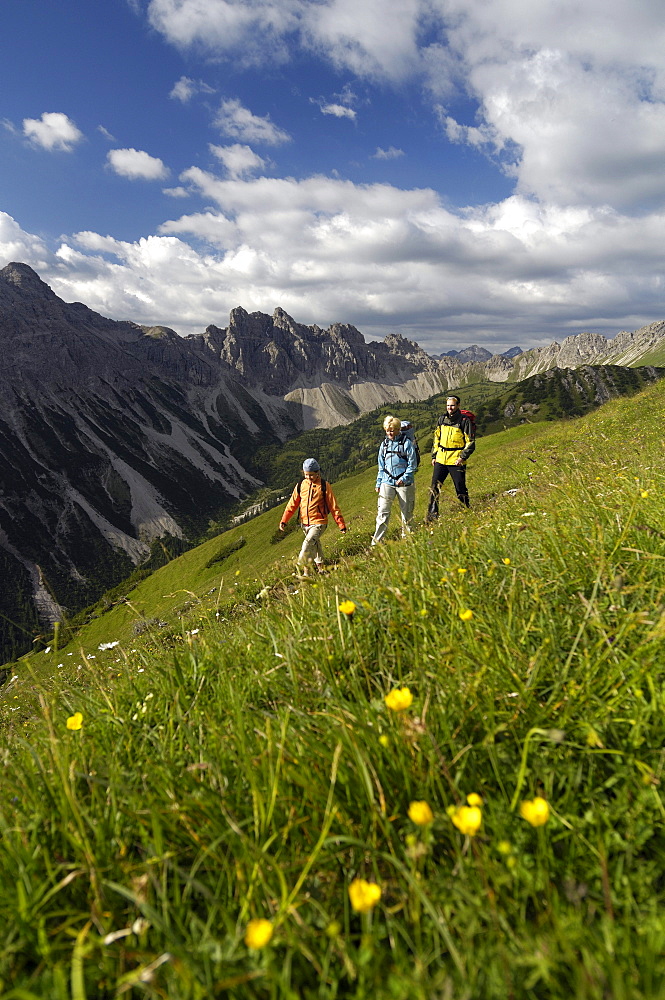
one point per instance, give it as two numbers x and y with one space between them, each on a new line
392 423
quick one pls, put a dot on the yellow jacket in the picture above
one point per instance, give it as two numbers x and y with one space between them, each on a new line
453 438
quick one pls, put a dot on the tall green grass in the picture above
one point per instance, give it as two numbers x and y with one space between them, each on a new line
252 769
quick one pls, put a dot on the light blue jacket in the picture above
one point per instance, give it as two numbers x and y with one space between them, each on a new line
397 461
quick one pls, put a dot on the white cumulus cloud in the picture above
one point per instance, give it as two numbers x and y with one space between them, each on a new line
382 258
570 98
53 131
225 27
234 119
136 164
19 246
238 160
570 109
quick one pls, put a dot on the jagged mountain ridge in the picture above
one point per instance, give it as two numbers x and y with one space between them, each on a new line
111 435
334 376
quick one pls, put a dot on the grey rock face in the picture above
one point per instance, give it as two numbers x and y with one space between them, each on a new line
474 353
591 348
279 355
111 435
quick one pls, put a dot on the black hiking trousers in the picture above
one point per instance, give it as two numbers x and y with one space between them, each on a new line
458 475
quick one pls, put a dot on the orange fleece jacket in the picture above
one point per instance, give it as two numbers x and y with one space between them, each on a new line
309 497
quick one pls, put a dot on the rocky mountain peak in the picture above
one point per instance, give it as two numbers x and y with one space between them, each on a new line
402 347
246 325
19 282
22 276
349 334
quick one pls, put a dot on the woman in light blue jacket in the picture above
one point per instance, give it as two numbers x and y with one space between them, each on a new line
397 464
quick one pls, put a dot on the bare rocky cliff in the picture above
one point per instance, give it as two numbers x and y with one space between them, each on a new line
625 349
111 435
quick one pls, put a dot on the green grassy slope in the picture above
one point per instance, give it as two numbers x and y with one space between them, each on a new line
248 767
193 583
343 451
655 357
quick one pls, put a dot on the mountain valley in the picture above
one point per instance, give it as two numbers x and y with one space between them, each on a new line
116 438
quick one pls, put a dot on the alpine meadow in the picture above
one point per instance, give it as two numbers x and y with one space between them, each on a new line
433 772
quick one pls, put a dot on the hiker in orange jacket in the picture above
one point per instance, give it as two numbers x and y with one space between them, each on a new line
314 499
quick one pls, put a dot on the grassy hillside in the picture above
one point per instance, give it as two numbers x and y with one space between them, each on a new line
244 807
559 394
343 451
553 395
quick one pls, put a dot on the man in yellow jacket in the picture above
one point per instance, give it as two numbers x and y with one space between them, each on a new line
314 498
454 440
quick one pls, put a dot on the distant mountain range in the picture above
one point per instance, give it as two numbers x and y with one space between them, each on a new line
475 353
114 435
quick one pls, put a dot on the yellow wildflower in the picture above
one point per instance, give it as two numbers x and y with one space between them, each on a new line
258 934
645 494
467 819
383 740
75 721
535 811
364 895
461 569
347 608
506 561
466 615
474 799
399 699
420 813
504 847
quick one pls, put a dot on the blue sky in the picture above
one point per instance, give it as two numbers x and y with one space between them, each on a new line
457 171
